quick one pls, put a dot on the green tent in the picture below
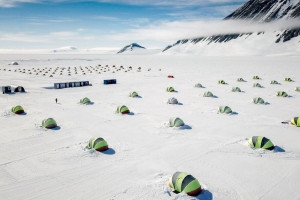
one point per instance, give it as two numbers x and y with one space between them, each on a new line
258 100
288 79
98 144
274 82
133 94
184 182
240 80
170 89
236 89
224 110
221 82
296 121
256 77
17 110
256 85
258 142
172 101
49 123
198 85
85 100
297 89
175 121
208 94
281 94
123 110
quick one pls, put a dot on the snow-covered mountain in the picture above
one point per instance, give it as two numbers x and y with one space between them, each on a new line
65 49
254 11
131 47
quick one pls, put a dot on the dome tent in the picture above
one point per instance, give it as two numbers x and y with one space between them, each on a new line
133 94
14 63
172 101
184 182
175 122
297 89
198 85
236 89
98 144
208 94
17 110
256 77
257 85
85 100
240 80
221 82
288 79
123 110
49 123
224 110
17 88
170 89
258 100
258 142
282 94
296 121
274 82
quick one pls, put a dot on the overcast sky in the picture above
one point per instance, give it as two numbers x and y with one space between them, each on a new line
107 24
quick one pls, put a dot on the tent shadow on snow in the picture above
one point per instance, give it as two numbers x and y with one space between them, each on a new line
234 113
24 113
204 195
56 128
278 149
185 127
90 103
109 151
131 113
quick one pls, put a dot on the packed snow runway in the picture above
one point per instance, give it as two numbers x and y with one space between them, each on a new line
38 163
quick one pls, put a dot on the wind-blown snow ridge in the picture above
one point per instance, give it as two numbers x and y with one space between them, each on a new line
131 47
254 11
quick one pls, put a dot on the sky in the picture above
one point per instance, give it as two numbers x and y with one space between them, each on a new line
104 24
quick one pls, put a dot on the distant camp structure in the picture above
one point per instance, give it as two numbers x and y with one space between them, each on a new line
85 100
133 94
6 89
274 82
14 63
224 110
288 79
71 84
123 110
175 122
17 88
170 89
258 100
221 82
240 80
282 94
170 76
184 182
110 81
296 121
98 144
256 77
208 94
17 110
172 101
260 142
198 85
236 89
257 85
49 123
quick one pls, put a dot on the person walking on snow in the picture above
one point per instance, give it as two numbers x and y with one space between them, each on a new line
56 100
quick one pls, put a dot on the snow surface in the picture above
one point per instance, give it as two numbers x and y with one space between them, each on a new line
54 164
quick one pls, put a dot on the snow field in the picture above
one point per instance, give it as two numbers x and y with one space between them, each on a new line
46 164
